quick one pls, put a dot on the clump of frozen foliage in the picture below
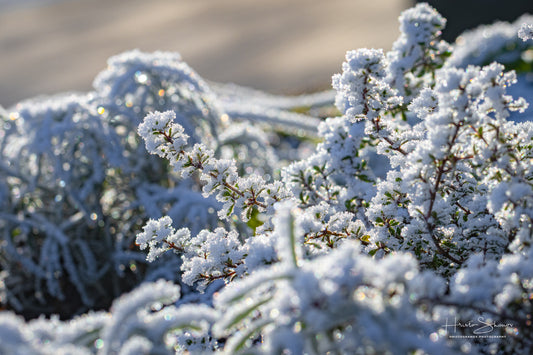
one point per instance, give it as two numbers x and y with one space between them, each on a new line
526 32
409 229
76 182
497 42
137 323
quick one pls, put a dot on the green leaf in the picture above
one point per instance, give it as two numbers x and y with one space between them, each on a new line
318 246
254 221
230 210
364 178
15 232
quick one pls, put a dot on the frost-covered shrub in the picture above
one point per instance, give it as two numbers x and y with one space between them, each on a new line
457 190
56 244
136 83
407 230
497 42
77 184
137 323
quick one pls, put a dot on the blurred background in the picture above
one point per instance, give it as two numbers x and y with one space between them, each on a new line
467 14
282 46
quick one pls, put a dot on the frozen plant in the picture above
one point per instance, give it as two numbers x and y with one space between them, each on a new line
74 195
343 301
136 83
407 230
456 191
362 91
141 322
418 52
76 183
238 194
497 42
438 198
526 32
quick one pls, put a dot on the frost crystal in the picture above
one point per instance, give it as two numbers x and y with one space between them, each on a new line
526 32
